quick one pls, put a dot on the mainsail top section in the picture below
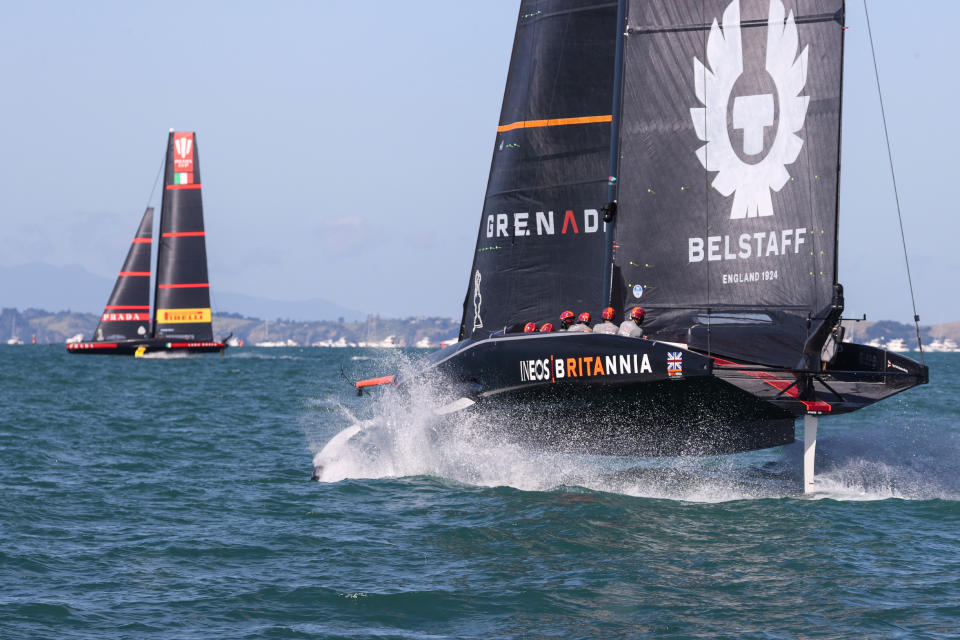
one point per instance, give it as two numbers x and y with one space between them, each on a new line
182 297
540 245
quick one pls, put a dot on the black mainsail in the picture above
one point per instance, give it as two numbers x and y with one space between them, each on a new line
181 317
127 312
182 307
682 156
541 240
729 167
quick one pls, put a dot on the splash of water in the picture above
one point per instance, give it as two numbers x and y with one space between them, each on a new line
405 436
164 355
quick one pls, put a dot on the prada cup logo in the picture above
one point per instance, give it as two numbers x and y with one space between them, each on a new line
751 182
183 146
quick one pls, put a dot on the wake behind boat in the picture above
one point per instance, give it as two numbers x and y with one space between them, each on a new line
681 156
181 320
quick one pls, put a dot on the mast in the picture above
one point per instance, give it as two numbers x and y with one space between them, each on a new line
127 312
610 209
182 293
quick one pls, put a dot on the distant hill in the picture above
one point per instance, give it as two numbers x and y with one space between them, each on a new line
42 286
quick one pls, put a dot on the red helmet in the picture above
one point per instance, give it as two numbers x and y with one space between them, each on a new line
566 318
638 314
609 313
584 318
530 327
547 328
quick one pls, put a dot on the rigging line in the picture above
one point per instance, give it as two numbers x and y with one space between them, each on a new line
893 176
156 180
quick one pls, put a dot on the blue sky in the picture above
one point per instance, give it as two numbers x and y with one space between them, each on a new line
344 147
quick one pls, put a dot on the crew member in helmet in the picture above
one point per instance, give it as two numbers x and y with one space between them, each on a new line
632 328
566 319
530 327
608 325
547 328
583 323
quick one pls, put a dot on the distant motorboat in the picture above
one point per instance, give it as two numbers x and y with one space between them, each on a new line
74 339
277 343
234 341
390 342
423 343
946 345
14 340
897 345
339 343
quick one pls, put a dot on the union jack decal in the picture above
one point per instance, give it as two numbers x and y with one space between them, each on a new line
674 364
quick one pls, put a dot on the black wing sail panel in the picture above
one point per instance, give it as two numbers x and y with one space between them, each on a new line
729 166
182 298
127 312
540 247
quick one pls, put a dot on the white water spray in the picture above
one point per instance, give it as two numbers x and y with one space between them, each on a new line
404 436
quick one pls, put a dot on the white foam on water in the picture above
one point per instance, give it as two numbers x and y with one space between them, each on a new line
404 437
893 465
164 355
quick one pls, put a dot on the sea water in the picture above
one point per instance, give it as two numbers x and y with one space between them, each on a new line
171 499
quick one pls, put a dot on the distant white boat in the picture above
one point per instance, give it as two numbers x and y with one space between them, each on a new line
277 343
234 341
447 343
423 343
896 345
75 339
339 343
946 345
390 342
13 338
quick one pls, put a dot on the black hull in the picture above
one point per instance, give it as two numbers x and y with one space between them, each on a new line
656 399
145 346
697 416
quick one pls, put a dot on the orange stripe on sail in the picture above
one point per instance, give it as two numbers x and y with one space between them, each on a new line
127 306
134 273
556 122
194 285
184 234
142 240
183 186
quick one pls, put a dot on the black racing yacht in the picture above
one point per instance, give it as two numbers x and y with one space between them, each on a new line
682 156
180 321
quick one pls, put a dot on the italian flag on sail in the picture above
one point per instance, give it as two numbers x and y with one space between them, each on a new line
182 178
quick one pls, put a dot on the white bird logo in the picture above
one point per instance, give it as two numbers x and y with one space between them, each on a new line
751 182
